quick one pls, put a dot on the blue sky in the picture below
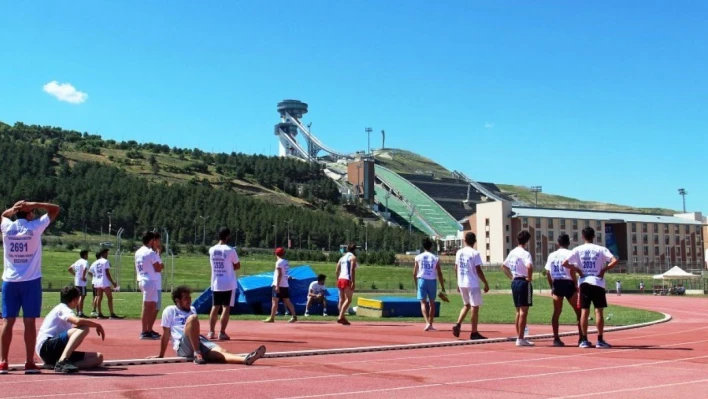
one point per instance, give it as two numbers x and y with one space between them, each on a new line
595 100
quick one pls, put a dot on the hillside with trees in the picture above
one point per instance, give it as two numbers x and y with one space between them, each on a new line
149 186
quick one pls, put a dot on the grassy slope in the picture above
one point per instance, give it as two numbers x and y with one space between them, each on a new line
407 162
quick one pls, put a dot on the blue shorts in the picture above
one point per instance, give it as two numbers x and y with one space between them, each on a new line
427 289
22 294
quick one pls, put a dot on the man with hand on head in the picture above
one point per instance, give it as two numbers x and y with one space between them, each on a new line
22 275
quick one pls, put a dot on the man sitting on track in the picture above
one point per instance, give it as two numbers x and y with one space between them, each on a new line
563 283
181 325
589 260
62 333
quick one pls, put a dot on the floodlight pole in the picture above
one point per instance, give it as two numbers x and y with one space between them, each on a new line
368 131
204 229
536 190
683 193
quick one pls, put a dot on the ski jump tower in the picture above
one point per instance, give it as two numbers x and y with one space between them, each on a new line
291 112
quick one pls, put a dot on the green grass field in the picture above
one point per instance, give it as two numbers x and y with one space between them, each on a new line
194 271
497 309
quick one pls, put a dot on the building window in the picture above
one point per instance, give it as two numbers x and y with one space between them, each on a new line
525 222
550 223
550 236
634 250
645 239
678 252
598 226
646 251
562 224
507 239
507 228
488 259
538 235
666 229
575 236
657 260
487 246
676 229
677 240
538 223
599 238
587 223
688 251
656 251
656 239
667 240
634 227
486 222
668 252
687 229
551 248
636 260
634 238
656 228
698 229
575 224
487 233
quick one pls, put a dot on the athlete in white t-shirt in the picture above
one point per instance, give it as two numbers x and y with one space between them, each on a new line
563 283
518 266
316 293
62 333
147 265
224 263
280 287
103 282
468 268
346 272
22 275
180 325
589 261
77 270
426 272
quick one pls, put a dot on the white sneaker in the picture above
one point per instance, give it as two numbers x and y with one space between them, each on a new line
211 335
427 327
524 342
324 314
307 313
432 328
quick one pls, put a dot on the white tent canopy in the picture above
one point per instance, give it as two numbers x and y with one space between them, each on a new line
675 273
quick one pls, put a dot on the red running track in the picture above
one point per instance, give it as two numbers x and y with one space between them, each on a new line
653 362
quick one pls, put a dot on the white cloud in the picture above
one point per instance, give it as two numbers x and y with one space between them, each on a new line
488 125
65 92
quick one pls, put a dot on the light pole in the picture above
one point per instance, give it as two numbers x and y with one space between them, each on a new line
536 190
368 131
110 213
288 223
275 233
204 229
383 139
683 193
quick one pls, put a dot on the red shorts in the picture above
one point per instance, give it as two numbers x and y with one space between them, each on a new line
343 283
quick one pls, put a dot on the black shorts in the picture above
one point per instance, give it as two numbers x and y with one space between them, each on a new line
592 294
53 348
283 294
222 298
522 291
564 288
82 290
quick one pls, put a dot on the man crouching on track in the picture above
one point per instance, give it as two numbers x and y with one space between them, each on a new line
181 324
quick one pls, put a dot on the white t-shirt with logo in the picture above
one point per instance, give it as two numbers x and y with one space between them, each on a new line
517 262
145 259
346 266
79 266
467 259
317 288
98 269
590 258
426 266
284 267
22 243
222 259
554 265
175 318
56 322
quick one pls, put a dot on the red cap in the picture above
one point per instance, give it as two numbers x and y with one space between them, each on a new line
280 252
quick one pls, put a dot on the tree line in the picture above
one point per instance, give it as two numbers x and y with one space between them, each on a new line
33 168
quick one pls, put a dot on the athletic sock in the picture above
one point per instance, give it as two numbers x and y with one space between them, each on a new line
599 338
